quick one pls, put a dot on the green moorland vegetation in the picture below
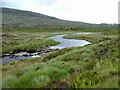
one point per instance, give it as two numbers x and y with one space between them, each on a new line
90 66
25 41
13 19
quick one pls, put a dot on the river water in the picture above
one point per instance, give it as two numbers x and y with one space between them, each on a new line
64 43
8 59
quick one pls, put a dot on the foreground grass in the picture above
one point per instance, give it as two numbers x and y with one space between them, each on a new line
91 66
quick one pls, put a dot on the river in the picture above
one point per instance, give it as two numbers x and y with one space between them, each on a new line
64 43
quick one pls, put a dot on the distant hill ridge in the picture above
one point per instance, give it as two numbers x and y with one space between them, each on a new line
20 19
24 13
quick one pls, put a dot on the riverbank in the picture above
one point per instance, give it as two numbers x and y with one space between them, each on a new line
42 50
66 43
19 41
15 56
90 66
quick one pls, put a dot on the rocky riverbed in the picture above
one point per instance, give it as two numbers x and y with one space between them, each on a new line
39 51
15 55
43 50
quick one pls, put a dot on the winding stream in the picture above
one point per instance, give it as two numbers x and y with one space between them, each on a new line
64 43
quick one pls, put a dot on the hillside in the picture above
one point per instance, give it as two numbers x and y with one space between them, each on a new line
13 18
19 18
94 65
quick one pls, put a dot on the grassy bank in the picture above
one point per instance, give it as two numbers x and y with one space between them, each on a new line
91 66
96 38
22 41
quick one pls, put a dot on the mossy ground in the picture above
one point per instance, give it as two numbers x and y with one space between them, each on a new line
90 66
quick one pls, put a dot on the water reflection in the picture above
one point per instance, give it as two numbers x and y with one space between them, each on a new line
64 43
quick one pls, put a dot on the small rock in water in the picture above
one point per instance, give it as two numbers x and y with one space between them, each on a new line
26 55
11 52
39 53
30 54
11 56
5 55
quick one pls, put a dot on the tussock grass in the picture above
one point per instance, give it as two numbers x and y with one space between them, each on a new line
91 66
19 41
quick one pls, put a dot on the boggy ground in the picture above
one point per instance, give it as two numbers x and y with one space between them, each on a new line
25 41
91 66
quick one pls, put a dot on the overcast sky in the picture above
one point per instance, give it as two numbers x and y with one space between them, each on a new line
90 11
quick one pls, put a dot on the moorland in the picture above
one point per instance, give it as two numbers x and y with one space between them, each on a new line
91 66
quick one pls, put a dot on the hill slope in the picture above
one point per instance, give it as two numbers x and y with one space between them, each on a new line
13 18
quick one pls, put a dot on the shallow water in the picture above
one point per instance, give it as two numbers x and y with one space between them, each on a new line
64 43
7 59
